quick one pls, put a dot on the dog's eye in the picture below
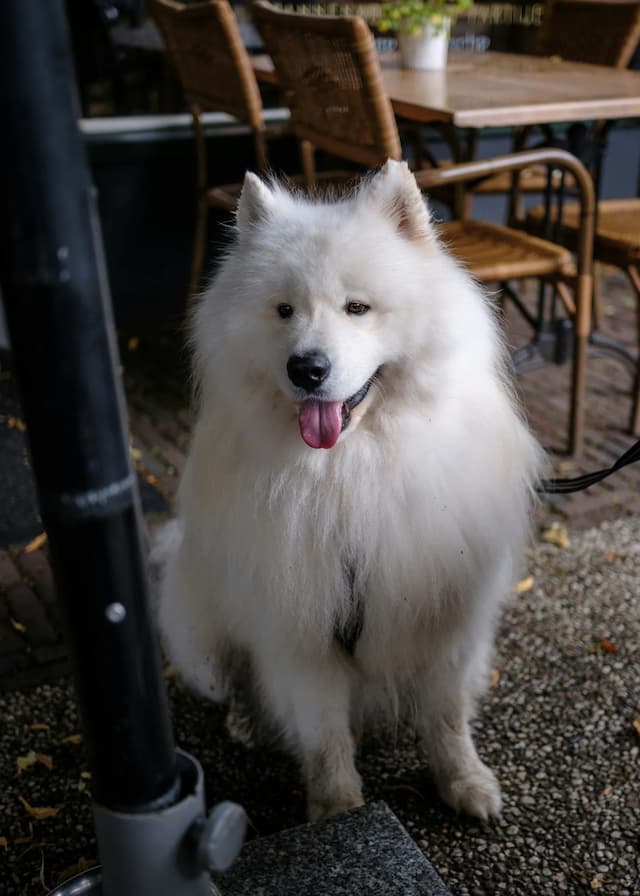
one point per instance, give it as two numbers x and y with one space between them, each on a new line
285 311
356 308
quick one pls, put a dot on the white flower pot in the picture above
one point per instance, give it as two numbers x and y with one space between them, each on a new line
427 50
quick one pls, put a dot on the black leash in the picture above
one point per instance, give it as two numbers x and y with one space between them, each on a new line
564 486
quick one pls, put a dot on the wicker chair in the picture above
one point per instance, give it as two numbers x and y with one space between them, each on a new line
597 32
330 75
214 68
617 243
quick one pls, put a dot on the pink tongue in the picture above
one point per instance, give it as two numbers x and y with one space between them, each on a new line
320 422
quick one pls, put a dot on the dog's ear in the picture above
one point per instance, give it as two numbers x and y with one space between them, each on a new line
254 203
395 191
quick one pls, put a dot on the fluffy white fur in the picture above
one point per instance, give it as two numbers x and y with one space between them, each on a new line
424 501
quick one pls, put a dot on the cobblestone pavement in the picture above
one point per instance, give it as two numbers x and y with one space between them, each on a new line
155 374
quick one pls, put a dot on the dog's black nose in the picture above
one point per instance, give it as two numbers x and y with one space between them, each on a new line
308 371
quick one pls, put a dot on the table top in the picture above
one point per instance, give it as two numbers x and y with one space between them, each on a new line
493 89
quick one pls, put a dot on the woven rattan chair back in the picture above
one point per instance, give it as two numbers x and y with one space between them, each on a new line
204 43
329 72
599 32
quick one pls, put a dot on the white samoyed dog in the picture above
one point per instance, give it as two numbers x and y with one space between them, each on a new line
359 485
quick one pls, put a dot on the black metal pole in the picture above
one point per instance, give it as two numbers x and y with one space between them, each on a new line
55 290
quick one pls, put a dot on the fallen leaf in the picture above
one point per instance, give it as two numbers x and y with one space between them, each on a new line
29 839
45 760
607 790
25 762
135 453
494 677
525 585
19 626
608 646
86 775
636 725
168 672
16 423
81 865
4 842
38 812
598 881
36 543
37 726
133 343
557 534
72 739
151 479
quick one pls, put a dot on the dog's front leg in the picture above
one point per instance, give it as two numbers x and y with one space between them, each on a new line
310 699
463 780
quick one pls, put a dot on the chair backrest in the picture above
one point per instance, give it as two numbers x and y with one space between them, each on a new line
600 32
329 72
204 43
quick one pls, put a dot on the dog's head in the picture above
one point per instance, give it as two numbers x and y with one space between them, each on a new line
322 298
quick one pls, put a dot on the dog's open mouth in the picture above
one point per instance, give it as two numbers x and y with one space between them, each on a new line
321 422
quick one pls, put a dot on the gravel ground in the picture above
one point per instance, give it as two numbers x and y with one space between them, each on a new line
557 726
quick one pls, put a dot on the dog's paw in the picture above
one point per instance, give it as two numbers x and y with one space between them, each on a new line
475 792
319 809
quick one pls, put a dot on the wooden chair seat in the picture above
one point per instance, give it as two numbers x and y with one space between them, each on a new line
492 252
617 240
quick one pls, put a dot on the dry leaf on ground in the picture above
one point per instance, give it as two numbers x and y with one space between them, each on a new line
72 739
45 760
37 726
525 585
608 646
18 626
494 677
25 762
636 725
4 842
557 534
81 865
598 881
38 812
614 555
133 343
168 672
36 543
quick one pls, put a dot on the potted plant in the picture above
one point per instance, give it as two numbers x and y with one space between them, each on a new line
422 28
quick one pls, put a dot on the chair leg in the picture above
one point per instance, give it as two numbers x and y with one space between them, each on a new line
634 275
597 296
199 244
307 153
582 324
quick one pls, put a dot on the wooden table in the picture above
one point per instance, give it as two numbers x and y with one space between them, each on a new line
479 90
